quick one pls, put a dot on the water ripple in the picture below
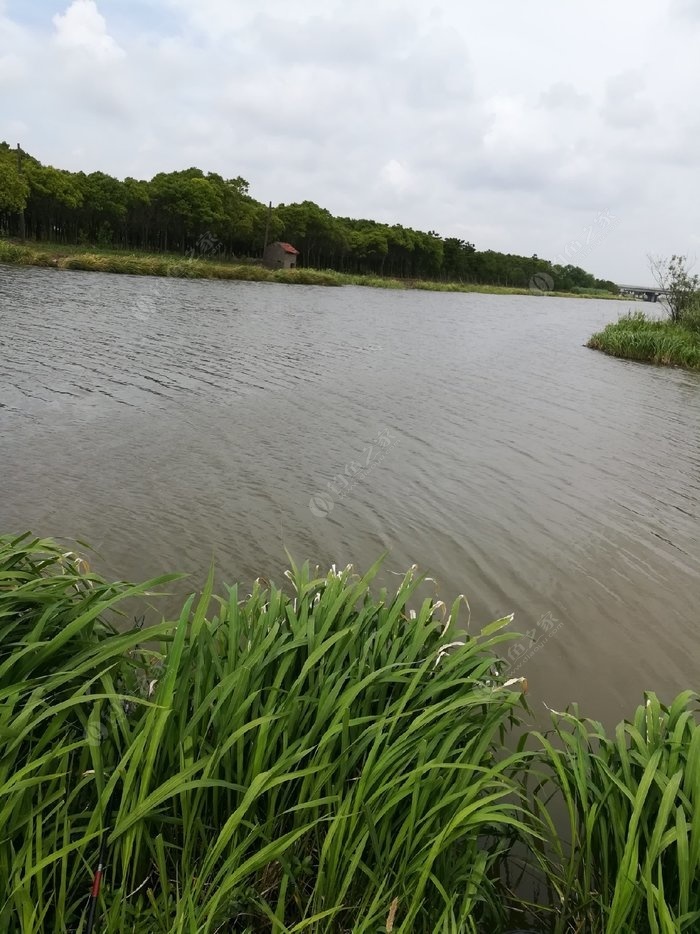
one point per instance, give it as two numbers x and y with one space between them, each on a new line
169 422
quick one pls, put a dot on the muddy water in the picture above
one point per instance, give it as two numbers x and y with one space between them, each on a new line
171 422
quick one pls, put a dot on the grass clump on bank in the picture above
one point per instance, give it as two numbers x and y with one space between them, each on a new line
325 759
637 337
291 762
627 858
145 264
180 267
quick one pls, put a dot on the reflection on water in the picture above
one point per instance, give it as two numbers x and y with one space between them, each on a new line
171 422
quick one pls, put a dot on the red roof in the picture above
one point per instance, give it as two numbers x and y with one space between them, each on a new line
288 248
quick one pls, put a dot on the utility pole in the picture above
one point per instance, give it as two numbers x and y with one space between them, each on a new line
267 226
22 231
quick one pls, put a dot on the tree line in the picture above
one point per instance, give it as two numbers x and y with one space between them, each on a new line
191 211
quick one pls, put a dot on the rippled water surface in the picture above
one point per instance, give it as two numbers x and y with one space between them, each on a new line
167 422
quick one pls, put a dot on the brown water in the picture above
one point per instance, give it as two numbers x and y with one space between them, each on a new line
167 422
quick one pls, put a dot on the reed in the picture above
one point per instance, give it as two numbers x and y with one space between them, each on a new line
628 856
324 757
665 342
283 762
144 264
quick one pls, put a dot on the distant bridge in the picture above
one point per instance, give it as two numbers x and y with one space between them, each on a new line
649 293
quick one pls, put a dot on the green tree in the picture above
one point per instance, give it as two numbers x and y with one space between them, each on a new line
458 260
137 199
680 286
14 189
179 210
55 197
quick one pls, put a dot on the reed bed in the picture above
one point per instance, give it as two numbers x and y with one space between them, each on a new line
282 762
628 858
664 342
324 757
144 264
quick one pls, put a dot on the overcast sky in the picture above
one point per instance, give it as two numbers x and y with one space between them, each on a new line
510 124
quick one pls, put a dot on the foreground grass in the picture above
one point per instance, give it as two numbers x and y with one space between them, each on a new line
323 760
145 264
636 337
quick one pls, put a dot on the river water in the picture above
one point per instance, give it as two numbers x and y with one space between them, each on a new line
168 422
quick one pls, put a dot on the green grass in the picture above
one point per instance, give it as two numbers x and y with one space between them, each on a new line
326 757
303 759
147 264
632 802
636 337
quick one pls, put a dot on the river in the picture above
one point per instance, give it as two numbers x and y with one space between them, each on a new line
171 422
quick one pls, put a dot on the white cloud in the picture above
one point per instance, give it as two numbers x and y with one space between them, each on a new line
512 131
83 28
12 70
563 95
688 9
13 44
396 176
626 106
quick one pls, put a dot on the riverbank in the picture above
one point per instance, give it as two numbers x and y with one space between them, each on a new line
636 337
316 759
93 259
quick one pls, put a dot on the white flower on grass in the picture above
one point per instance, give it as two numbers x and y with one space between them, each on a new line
444 650
511 682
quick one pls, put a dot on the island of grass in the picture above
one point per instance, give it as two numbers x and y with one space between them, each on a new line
96 259
323 758
666 342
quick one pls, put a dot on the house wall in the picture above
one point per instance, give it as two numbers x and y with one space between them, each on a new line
277 258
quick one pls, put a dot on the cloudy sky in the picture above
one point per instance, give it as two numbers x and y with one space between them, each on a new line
514 125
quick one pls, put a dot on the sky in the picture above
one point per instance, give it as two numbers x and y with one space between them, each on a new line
569 130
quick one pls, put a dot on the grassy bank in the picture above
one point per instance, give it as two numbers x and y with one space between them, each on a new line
321 759
636 337
145 264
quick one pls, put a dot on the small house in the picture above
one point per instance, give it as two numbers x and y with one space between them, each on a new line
280 256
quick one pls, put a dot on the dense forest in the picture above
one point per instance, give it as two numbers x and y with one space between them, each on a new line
190 211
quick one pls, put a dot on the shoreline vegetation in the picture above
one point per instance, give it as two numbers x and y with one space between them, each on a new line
190 213
671 341
663 342
95 259
320 758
